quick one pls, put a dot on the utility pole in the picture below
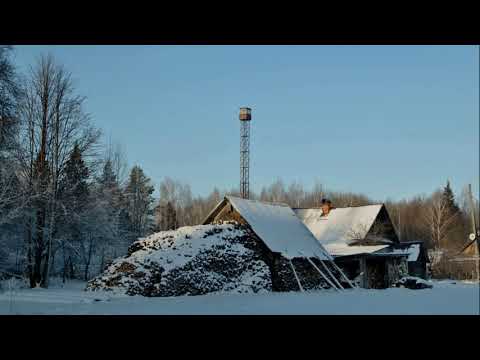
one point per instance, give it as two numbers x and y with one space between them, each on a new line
399 226
475 233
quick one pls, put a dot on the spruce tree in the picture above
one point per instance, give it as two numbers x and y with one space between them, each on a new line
74 186
10 95
74 196
138 197
108 179
109 192
449 199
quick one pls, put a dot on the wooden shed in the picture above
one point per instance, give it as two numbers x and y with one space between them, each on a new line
295 258
417 257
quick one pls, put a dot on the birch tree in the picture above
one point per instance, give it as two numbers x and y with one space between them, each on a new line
438 219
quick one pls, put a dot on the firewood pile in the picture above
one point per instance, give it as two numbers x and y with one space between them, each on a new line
192 260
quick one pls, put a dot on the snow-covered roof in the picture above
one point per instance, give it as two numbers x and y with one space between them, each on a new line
336 249
411 250
279 228
341 225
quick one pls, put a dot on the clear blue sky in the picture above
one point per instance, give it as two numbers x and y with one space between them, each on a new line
387 121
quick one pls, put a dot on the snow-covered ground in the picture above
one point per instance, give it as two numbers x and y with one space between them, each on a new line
446 297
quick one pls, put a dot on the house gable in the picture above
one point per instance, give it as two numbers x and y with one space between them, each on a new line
470 250
381 231
224 212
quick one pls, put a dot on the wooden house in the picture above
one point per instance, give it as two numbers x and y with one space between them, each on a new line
469 259
470 250
362 240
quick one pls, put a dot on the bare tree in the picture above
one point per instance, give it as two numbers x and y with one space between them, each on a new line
179 196
295 194
53 122
317 193
438 220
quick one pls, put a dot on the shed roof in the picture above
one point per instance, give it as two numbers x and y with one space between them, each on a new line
278 227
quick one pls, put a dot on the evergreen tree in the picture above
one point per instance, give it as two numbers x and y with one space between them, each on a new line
74 186
138 197
449 199
124 231
109 192
108 178
74 197
10 94
116 240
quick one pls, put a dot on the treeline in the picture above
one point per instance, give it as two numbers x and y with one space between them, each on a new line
69 204
66 208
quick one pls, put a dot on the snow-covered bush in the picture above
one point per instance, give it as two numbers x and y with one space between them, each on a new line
192 260
414 283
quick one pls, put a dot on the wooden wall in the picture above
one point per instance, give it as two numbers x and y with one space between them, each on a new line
228 213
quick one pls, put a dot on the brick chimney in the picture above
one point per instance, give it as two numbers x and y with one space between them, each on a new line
326 207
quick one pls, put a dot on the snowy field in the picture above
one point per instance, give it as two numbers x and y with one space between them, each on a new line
447 297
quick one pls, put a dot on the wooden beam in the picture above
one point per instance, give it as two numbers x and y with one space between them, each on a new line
338 268
323 275
296 276
343 275
330 273
319 271
363 271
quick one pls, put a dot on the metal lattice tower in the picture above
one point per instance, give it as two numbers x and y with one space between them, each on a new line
245 117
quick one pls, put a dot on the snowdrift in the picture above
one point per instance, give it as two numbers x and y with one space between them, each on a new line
192 260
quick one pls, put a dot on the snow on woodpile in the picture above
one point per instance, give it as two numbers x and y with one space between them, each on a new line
192 260
280 229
